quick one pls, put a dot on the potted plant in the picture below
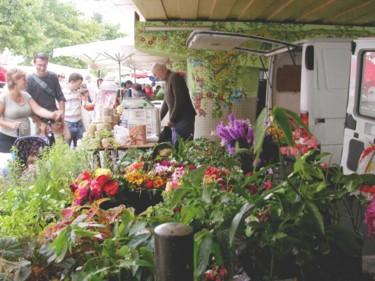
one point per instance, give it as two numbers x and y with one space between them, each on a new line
304 224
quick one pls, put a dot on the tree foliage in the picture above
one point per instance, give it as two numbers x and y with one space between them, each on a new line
29 26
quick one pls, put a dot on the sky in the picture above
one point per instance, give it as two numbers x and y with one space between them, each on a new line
113 11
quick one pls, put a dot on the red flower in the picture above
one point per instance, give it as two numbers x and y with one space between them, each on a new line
368 189
150 42
149 184
202 112
111 188
73 187
191 167
85 175
102 179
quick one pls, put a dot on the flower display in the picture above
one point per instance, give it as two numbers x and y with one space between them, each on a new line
303 143
217 176
217 273
236 134
175 178
89 188
150 175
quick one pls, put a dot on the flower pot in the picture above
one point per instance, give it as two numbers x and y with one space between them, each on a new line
140 200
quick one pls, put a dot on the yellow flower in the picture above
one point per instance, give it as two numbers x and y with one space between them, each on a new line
100 171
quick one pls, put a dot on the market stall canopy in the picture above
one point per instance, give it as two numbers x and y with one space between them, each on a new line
109 54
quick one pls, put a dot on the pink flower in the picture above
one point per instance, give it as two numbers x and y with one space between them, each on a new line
284 150
82 193
210 275
223 272
95 193
370 218
267 184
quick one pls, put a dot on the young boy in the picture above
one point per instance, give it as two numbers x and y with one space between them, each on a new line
73 117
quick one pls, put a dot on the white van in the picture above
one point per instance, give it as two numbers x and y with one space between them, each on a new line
310 77
359 135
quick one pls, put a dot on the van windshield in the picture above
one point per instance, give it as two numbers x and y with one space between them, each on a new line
367 91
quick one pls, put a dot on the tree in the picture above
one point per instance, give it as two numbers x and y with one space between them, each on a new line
28 26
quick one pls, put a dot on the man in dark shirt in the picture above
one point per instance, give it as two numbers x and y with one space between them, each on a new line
45 88
177 102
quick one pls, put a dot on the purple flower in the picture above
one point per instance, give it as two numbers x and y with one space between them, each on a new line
237 131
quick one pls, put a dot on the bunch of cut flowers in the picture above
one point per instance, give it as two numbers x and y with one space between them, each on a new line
88 187
147 175
237 134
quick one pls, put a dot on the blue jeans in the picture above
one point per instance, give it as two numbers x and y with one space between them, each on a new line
76 130
183 128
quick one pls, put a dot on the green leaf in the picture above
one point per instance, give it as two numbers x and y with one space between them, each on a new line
260 130
296 209
123 251
281 119
297 118
278 236
236 221
189 212
203 246
206 195
316 216
136 227
10 248
178 195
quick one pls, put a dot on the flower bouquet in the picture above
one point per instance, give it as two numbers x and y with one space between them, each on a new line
88 187
238 137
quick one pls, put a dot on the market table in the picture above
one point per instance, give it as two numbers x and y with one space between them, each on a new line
113 152
126 147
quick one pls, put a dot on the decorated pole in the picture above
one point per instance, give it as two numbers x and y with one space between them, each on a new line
174 247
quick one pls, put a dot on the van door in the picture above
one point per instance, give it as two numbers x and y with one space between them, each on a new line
285 87
324 92
359 135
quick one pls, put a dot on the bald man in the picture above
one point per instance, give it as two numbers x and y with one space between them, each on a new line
177 102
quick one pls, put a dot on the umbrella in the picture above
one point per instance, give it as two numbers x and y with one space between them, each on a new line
109 54
3 74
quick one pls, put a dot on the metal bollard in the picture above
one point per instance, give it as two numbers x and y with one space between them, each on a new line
174 247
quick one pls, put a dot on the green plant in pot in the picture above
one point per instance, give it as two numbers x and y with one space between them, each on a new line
305 224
